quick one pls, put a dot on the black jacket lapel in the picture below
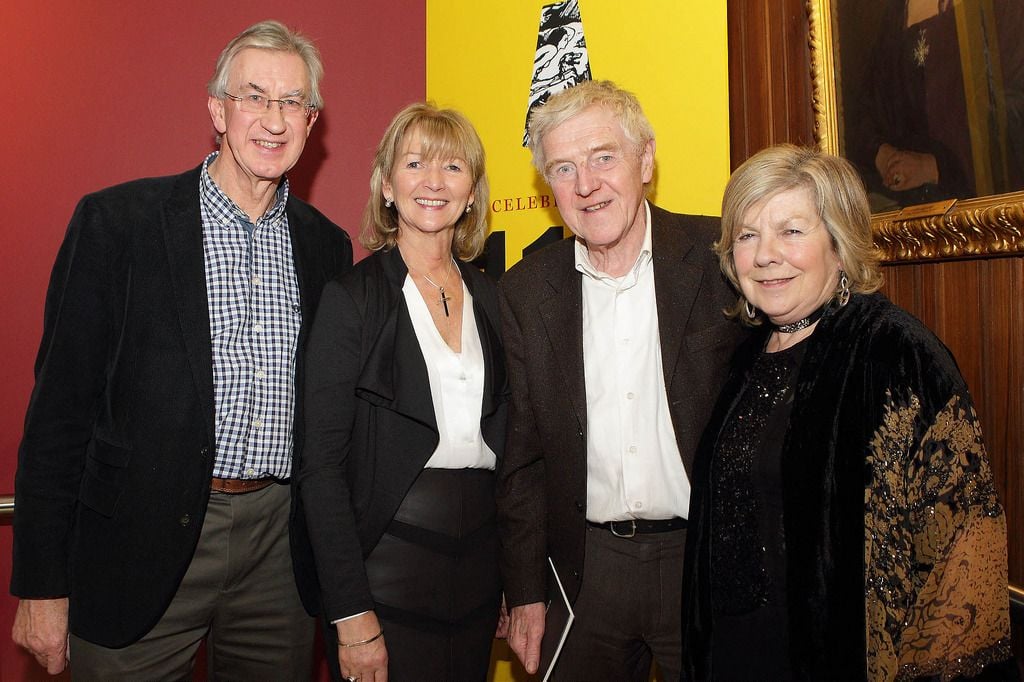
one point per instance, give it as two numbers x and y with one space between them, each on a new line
183 236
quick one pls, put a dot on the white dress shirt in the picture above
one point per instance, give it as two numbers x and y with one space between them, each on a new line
456 385
634 470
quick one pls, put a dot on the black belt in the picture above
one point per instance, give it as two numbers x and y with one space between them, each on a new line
627 529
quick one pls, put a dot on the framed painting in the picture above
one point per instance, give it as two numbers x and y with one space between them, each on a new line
926 99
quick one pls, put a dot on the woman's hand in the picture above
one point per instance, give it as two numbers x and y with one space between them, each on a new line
364 662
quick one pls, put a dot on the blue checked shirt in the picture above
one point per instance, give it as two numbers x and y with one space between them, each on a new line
253 298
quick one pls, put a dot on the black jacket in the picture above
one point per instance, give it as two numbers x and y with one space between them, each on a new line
114 469
370 418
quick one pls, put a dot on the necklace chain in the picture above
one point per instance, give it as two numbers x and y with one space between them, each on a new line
440 287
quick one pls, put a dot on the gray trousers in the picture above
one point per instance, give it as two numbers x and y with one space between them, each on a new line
238 594
628 610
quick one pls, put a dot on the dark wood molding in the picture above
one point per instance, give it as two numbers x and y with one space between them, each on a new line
769 76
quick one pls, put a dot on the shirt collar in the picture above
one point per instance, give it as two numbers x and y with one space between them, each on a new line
585 266
224 211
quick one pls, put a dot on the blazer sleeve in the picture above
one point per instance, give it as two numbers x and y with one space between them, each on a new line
521 496
332 368
70 378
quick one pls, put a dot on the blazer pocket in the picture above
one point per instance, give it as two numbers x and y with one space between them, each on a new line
102 480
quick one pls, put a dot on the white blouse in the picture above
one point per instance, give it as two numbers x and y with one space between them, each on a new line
456 385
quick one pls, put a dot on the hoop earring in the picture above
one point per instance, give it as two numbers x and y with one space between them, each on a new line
749 309
844 289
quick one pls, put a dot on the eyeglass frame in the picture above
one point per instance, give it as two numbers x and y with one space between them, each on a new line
307 109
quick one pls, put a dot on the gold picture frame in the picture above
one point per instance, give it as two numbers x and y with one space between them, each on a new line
966 228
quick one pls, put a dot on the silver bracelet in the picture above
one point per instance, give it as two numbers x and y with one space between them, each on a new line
365 641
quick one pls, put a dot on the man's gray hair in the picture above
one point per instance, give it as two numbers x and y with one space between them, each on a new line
270 35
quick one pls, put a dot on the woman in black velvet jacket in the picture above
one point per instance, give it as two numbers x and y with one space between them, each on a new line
844 523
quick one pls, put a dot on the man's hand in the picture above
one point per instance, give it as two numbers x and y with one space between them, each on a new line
365 662
41 627
525 630
501 631
902 170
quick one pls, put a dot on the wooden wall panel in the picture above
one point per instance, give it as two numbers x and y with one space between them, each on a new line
974 306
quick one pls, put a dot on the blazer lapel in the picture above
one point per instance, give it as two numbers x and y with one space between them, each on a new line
496 388
183 238
304 257
676 284
395 373
562 313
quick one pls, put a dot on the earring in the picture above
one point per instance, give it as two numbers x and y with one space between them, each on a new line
469 208
388 203
750 309
844 289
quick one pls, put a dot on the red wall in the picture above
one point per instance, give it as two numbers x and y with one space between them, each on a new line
103 91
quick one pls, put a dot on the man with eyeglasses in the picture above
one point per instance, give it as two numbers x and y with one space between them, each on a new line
154 508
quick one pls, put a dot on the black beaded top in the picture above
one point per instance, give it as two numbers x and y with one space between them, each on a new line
748 577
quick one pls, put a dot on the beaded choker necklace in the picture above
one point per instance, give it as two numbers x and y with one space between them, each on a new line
802 324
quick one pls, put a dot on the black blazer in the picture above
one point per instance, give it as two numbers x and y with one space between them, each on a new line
542 483
114 469
370 422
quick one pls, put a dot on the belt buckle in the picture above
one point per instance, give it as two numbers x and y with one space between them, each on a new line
632 529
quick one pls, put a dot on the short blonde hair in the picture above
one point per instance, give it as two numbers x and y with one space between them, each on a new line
270 35
837 192
446 134
573 101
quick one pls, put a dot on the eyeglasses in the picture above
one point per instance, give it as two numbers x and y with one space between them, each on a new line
259 104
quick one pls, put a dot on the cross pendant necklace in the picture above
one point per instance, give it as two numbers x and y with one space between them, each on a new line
440 287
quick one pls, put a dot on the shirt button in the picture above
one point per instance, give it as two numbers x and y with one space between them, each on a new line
257 327
632 449
629 396
250 472
260 374
185 520
638 505
256 280
257 423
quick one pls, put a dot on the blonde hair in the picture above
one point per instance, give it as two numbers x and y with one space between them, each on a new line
837 192
445 134
270 35
563 105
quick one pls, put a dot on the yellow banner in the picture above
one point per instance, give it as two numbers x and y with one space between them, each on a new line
671 53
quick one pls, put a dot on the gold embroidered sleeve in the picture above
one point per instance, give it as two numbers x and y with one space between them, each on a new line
935 546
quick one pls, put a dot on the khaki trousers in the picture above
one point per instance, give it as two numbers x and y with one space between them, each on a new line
238 594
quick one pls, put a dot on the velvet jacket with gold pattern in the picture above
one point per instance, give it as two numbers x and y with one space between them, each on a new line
893 529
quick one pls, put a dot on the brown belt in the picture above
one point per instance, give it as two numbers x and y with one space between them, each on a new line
237 486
